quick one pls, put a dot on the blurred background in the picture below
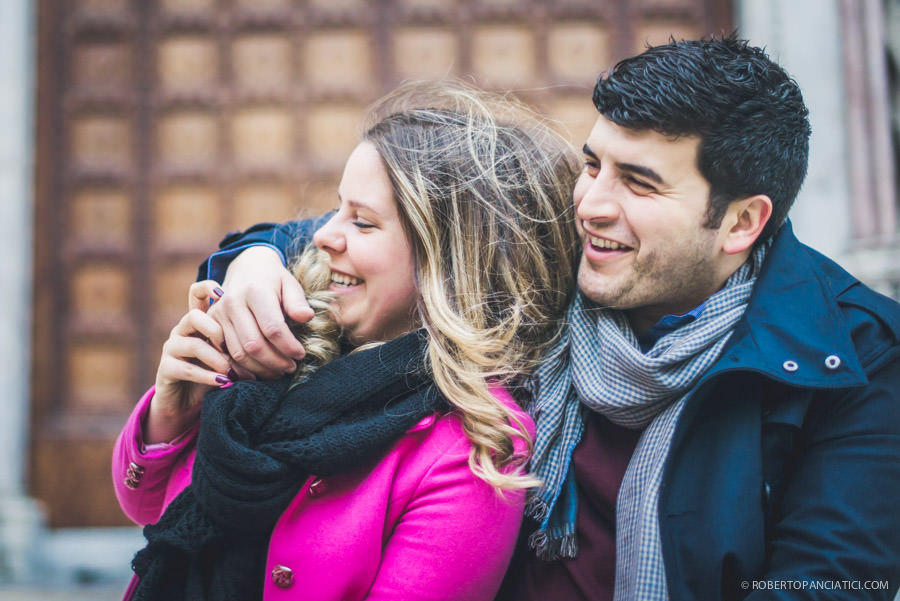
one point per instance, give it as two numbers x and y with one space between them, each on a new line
136 133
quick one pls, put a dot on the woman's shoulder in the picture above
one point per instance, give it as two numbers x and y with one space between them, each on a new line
445 430
434 456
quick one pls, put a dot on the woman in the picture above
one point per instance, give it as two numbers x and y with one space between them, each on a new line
452 254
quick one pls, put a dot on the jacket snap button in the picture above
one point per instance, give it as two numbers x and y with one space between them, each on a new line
317 488
282 576
832 362
790 366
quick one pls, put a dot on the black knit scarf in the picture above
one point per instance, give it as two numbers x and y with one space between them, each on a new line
258 442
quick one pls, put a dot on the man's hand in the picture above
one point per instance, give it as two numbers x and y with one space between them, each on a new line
259 293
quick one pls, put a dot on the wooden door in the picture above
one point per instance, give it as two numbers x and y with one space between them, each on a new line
162 124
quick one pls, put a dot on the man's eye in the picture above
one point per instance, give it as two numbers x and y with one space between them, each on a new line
640 186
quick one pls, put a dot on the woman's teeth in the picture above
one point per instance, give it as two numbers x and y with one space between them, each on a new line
344 280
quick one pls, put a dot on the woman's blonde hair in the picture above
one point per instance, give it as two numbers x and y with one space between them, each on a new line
320 335
484 188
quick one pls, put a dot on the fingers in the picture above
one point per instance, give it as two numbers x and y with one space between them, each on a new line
203 294
252 316
250 360
176 369
197 323
293 299
194 351
245 339
192 362
269 314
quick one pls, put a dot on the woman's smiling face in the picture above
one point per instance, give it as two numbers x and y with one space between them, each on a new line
373 271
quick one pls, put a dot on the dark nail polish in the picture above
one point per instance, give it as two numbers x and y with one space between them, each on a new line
232 375
218 292
222 379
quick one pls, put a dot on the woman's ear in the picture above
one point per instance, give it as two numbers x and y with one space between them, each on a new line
744 222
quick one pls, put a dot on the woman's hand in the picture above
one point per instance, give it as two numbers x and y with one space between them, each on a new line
193 362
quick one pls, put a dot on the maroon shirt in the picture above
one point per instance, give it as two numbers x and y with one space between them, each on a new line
599 461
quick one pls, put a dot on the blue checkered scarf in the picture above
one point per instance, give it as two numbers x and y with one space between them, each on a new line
598 366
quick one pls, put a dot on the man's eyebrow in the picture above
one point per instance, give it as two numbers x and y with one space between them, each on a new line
638 169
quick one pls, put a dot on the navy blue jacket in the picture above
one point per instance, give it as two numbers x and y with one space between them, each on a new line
783 481
785 464
287 238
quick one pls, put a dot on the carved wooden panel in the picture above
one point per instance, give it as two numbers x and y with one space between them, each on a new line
575 48
425 51
162 125
504 55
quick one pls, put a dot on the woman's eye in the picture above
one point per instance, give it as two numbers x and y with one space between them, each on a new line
363 225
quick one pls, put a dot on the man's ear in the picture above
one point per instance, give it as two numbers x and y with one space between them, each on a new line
744 222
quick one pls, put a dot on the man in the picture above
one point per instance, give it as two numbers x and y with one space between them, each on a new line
723 418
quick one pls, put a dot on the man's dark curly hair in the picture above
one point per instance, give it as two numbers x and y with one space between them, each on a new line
748 113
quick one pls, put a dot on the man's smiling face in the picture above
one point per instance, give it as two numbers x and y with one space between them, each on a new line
641 205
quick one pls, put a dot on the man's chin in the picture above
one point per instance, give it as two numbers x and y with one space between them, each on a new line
602 298
597 288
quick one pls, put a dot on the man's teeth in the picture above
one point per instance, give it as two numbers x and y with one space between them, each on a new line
607 244
344 280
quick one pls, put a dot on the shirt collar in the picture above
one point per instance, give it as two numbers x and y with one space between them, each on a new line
668 324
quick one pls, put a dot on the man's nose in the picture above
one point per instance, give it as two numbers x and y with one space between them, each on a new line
601 200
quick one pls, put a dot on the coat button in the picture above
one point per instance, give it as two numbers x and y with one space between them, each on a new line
317 488
282 576
832 362
790 366
133 475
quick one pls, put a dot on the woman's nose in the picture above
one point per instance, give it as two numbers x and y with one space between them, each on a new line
329 237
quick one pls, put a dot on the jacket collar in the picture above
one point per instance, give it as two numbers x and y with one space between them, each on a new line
793 330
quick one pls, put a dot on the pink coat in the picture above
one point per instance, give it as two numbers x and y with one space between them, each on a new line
415 525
